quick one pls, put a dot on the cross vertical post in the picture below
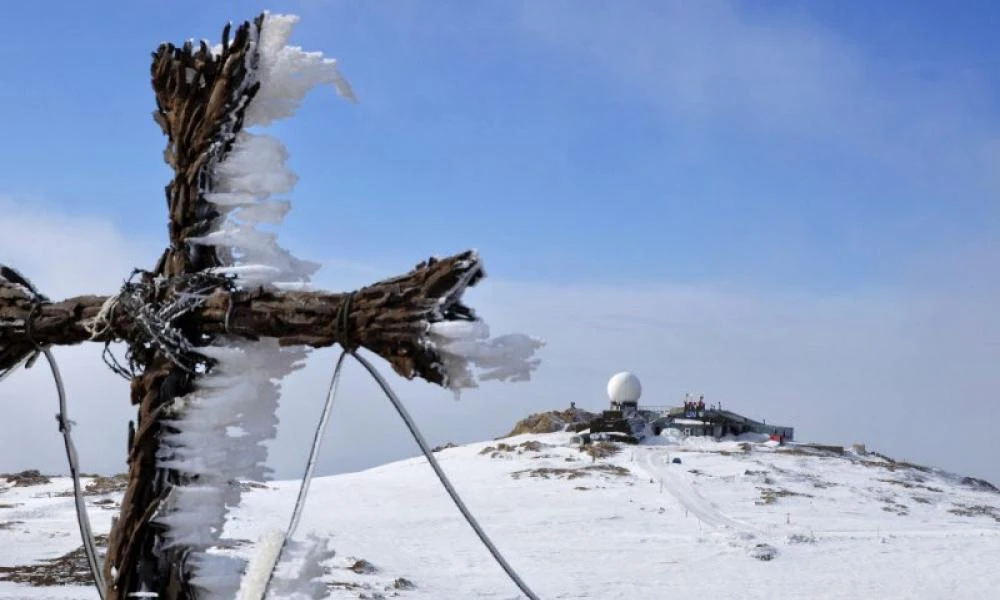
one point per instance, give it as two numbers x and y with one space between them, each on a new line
196 90
217 292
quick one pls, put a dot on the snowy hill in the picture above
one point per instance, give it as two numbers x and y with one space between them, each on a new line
731 520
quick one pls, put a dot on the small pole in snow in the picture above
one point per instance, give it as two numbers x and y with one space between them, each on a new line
788 518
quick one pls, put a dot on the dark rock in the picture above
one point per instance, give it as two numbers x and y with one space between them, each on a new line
26 478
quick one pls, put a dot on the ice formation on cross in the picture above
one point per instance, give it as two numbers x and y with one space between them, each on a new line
219 429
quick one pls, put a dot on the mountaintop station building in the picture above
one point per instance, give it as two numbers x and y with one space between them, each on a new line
626 420
714 422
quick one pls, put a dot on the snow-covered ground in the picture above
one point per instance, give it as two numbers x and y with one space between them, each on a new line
632 525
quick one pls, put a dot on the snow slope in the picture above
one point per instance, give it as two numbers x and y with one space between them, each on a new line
631 525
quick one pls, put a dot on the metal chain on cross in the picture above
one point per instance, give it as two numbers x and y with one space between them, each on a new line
154 305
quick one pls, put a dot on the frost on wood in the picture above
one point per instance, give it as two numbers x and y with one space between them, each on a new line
244 185
416 321
469 355
287 73
462 339
216 439
253 173
203 407
215 434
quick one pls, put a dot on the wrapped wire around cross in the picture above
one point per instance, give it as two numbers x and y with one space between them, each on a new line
155 304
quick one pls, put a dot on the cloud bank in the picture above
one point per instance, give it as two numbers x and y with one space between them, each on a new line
909 370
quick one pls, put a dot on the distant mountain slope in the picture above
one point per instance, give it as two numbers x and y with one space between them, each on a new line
731 520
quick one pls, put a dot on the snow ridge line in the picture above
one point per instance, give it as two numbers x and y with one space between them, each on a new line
688 497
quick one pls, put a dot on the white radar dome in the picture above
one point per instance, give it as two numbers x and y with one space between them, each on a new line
624 387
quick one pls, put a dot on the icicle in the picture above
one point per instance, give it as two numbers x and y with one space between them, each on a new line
287 73
465 349
218 431
465 346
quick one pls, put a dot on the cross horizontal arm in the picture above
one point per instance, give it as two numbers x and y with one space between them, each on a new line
390 318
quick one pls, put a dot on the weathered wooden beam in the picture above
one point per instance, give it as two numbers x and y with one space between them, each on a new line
202 96
388 318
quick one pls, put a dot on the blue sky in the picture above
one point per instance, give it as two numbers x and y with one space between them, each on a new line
788 206
822 144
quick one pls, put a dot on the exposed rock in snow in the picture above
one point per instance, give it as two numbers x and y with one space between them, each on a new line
571 419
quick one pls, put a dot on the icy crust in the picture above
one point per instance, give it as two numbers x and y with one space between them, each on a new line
462 340
288 73
254 584
218 438
469 355
297 578
219 430
245 184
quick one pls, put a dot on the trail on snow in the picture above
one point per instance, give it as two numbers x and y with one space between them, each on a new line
656 463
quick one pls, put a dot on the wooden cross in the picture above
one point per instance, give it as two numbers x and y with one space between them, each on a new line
201 96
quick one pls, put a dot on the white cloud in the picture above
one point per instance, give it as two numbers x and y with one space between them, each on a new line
909 371
66 256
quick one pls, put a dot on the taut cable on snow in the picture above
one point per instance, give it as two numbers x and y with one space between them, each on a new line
429 454
300 501
425 448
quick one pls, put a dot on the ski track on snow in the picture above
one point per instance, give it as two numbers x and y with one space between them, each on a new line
657 463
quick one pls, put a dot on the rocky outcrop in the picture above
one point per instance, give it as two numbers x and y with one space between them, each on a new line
571 419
